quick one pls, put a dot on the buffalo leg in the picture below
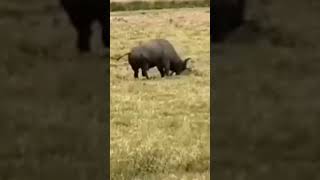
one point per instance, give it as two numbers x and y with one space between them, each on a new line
136 74
161 71
144 71
167 69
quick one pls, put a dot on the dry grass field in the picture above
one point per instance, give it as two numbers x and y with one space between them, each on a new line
160 127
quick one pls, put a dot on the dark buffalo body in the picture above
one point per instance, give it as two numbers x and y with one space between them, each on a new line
227 16
159 53
82 14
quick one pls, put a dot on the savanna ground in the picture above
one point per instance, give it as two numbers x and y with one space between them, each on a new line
52 100
266 106
160 127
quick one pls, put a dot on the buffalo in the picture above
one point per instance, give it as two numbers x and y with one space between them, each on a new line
82 14
156 52
227 16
